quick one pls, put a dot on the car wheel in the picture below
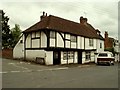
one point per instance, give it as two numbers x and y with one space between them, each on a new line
108 63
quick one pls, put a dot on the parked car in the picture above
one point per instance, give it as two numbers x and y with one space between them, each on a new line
105 58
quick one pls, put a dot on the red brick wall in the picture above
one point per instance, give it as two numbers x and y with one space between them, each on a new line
108 43
7 53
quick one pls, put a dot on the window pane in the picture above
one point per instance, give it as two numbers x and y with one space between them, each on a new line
52 34
64 55
103 55
88 55
90 42
73 38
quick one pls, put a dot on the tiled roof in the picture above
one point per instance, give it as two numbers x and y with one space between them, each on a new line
62 25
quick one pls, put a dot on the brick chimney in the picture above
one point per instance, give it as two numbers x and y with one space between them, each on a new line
83 20
106 34
106 42
43 16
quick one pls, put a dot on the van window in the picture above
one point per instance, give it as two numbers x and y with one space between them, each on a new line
103 55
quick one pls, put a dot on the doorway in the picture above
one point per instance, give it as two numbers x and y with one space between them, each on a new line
56 57
79 57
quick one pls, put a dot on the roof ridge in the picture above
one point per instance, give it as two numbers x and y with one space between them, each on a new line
64 19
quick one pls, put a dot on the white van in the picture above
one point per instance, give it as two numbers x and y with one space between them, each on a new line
105 58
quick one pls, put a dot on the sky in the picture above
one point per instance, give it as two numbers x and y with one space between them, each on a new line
101 14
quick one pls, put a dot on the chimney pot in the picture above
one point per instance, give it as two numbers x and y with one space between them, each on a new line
83 20
43 13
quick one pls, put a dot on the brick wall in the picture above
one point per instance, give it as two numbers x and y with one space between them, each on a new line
7 53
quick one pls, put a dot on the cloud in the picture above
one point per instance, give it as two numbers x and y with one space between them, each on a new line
102 15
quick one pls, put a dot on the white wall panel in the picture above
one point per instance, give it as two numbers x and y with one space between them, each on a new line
49 58
32 54
79 42
18 51
43 40
60 42
28 41
82 42
35 43
52 42
67 44
73 44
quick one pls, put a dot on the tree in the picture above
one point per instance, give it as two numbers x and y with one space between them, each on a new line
15 35
5 31
110 50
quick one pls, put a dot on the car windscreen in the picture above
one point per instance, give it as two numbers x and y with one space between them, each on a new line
103 55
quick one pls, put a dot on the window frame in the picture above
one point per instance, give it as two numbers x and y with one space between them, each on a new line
91 42
88 56
73 38
52 34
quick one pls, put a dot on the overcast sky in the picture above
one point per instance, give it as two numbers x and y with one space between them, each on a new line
102 15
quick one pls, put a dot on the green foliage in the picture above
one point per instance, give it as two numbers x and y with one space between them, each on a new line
9 37
5 31
15 32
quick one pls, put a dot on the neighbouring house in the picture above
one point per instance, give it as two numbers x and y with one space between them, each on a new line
111 44
59 41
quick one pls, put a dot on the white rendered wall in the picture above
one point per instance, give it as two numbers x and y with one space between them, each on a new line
73 44
49 58
43 40
60 42
52 42
75 57
87 46
67 44
98 45
28 41
82 41
32 54
92 56
18 51
36 43
79 42
94 43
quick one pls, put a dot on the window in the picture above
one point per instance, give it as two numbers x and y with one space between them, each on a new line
68 55
103 55
88 55
52 34
100 45
35 35
73 38
90 42
64 55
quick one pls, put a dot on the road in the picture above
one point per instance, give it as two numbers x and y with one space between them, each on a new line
19 74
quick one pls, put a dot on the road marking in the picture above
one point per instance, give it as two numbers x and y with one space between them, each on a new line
14 71
19 66
52 69
84 66
3 72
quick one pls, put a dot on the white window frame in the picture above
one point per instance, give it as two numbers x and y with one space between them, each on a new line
88 56
73 38
91 42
